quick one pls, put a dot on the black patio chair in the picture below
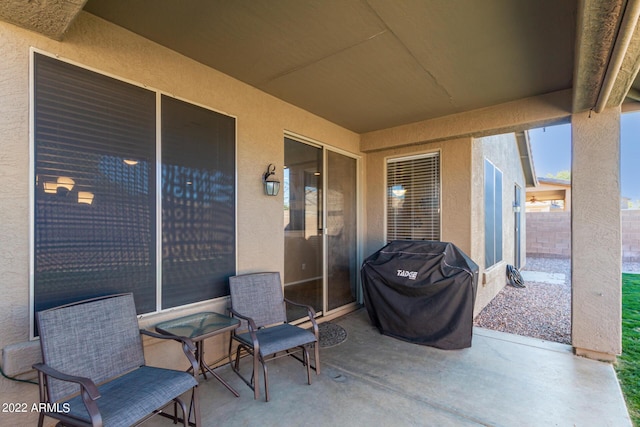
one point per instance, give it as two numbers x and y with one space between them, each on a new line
257 300
94 372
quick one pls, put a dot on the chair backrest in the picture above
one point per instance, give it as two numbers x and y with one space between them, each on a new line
259 296
97 339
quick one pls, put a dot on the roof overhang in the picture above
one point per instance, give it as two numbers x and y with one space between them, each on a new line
524 147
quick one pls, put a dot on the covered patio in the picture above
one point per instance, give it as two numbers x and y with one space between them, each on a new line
375 380
373 84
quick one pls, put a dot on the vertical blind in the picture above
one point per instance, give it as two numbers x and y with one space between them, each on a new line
95 213
413 198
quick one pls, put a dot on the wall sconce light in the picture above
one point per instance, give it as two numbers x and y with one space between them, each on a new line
271 183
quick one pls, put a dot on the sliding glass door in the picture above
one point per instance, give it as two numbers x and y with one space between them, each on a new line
303 242
320 228
341 230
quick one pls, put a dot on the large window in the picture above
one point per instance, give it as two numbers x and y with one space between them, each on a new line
118 208
492 214
413 198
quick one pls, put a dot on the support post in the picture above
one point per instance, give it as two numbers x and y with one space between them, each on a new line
596 250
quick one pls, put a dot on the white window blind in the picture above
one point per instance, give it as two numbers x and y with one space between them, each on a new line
413 198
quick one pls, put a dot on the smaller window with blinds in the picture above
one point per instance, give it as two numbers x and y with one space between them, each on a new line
413 197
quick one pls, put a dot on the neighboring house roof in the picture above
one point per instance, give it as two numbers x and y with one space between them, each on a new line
555 181
549 189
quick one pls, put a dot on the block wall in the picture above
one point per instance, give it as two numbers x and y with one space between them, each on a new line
631 235
549 234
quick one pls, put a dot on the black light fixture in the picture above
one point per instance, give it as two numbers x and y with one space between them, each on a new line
271 183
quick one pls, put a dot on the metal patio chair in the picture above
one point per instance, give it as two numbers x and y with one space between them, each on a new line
94 372
257 300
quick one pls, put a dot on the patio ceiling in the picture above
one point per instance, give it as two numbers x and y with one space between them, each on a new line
374 64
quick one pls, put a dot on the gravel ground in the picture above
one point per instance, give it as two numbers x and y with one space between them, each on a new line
540 310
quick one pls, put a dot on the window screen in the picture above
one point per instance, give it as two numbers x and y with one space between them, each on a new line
94 227
198 203
96 214
413 198
492 214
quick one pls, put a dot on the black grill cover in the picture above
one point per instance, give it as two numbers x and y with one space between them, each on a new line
422 292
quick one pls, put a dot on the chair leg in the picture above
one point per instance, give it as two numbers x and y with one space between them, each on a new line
237 362
256 375
196 407
230 347
316 350
266 381
307 363
183 407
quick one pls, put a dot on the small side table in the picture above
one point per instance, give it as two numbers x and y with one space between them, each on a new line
198 327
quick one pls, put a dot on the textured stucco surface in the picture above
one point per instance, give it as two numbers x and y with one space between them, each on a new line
261 122
50 17
508 117
502 151
596 37
462 176
549 234
14 201
376 196
596 239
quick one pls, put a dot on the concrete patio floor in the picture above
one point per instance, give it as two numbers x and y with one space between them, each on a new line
375 380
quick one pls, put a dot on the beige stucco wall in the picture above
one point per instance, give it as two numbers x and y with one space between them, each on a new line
261 123
455 161
596 247
631 235
462 180
502 151
549 234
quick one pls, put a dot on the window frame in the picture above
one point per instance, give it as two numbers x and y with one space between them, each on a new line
397 159
157 179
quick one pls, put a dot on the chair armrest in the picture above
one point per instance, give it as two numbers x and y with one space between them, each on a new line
188 347
251 325
310 312
250 321
86 383
184 340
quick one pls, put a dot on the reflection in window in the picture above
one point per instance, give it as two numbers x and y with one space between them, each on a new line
492 214
413 198
95 209
198 209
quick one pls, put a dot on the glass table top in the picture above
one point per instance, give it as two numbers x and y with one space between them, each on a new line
198 326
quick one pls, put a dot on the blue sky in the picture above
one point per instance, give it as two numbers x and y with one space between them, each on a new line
551 150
